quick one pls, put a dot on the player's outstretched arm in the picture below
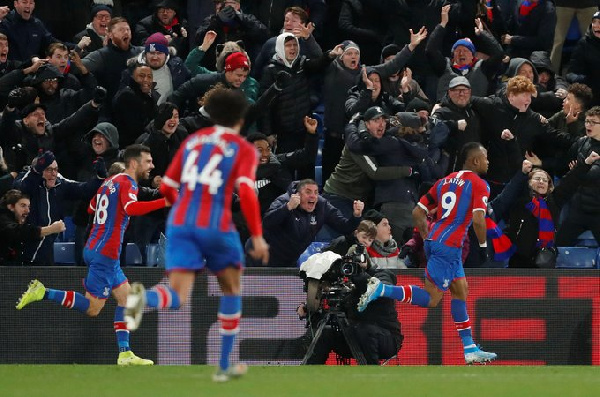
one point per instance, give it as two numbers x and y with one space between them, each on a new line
251 210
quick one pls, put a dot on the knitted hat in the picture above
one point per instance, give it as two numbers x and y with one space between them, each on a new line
389 50
375 216
172 4
43 161
596 15
416 105
99 7
157 42
466 42
235 61
349 44
32 107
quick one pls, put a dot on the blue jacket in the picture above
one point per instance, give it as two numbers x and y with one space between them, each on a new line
289 233
27 38
47 206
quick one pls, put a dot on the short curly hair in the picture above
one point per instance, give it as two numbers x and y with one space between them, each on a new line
518 85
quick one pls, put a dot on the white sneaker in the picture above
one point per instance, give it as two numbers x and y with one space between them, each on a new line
136 301
374 291
479 356
233 372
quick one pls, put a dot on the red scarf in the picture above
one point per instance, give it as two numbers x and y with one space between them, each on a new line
539 209
526 7
174 22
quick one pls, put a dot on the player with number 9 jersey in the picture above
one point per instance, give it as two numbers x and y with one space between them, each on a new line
456 197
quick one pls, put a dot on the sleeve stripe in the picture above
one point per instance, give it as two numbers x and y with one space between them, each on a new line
370 163
479 209
423 206
170 182
246 180
127 204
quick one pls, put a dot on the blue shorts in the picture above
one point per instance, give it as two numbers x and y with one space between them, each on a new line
444 264
193 248
104 274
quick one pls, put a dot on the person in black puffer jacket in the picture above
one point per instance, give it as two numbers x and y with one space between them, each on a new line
584 211
583 67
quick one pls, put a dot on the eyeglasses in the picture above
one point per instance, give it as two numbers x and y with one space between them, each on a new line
101 16
540 179
51 80
591 122
51 169
461 90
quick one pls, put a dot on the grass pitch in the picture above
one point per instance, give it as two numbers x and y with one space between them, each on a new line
305 381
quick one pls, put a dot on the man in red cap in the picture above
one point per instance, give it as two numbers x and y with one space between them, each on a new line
237 68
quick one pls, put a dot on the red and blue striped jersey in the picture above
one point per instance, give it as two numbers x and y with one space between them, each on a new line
110 217
206 169
456 197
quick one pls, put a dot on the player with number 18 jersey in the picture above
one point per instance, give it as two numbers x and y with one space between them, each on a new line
207 169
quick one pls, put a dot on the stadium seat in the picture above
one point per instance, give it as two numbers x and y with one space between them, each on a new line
69 233
133 255
577 258
319 176
586 239
152 255
320 125
64 253
313 248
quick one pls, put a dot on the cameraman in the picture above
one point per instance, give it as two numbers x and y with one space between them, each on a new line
376 330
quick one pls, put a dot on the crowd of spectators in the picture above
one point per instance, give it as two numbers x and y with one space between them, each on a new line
356 105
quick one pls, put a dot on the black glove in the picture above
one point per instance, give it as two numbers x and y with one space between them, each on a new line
43 161
282 79
100 167
18 98
404 252
483 255
99 95
227 14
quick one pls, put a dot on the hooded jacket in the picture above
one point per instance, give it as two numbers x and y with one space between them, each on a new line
289 233
293 103
359 98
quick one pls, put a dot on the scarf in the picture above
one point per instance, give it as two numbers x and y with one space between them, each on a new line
525 8
387 249
539 209
465 67
503 247
174 22
489 10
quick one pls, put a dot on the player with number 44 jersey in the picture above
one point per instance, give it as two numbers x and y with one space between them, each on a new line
208 167
456 202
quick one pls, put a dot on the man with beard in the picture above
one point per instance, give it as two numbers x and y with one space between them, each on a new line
108 62
14 231
168 22
168 70
113 205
